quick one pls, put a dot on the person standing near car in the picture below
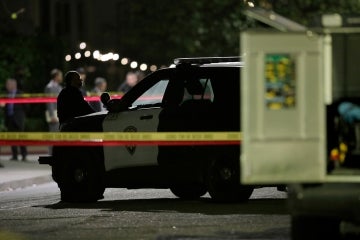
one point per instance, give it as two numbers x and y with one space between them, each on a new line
71 102
15 117
100 87
131 80
53 88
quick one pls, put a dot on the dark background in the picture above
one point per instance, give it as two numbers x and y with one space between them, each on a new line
36 35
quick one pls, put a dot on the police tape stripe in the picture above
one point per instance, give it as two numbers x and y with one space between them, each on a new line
120 138
34 95
43 99
117 143
54 99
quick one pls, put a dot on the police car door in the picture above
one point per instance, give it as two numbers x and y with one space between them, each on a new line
141 116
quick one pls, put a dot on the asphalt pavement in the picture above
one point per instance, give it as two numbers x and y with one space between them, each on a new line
20 174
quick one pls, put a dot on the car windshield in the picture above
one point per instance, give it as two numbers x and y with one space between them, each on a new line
153 95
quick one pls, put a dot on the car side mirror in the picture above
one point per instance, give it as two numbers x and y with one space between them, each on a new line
112 105
105 98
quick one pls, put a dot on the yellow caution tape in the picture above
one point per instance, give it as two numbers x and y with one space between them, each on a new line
121 136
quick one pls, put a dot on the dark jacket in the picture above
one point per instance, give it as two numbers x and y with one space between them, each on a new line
71 103
18 116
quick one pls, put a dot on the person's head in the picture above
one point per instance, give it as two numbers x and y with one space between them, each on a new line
131 79
11 84
73 78
82 73
101 84
56 75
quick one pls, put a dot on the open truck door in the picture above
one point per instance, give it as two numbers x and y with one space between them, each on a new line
282 124
292 86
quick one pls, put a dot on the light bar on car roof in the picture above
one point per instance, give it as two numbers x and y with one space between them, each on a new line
204 60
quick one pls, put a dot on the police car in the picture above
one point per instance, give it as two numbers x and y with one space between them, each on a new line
196 95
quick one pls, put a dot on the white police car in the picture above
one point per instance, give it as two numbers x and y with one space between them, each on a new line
198 94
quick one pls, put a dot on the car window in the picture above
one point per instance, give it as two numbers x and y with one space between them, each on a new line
153 95
207 91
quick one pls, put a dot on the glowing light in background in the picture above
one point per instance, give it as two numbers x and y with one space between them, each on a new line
68 57
110 56
87 53
143 67
77 55
116 57
96 54
124 61
133 64
153 68
82 45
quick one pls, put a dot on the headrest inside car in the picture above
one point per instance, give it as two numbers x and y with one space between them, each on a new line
194 87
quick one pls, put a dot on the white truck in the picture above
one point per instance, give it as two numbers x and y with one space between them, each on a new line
293 134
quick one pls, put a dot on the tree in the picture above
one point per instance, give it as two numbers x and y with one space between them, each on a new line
181 29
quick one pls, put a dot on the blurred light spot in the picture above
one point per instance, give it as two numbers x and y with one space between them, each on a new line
77 55
124 61
96 54
153 68
87 54
104 58
68 57
133 64
251 4
82 45
116 57
143 67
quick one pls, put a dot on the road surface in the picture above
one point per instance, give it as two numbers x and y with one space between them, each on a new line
37 213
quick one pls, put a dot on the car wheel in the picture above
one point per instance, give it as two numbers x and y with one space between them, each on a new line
313 227
189 192
223 182
80 178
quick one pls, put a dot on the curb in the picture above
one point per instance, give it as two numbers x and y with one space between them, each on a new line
9 186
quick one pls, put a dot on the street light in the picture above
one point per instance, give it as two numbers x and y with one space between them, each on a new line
124 61
116 57
96 54
153 68
133 64
82 45
68 57
77 55
87 53
143 67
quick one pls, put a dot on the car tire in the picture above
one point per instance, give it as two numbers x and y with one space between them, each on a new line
313 227
223 182
80 178
189 192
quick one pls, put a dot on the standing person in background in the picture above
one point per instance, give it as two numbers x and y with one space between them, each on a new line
53 89
100 87
15 117
131 80
82 73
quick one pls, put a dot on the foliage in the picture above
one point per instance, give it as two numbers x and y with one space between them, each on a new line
204 27
28 59
180 29
305 11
